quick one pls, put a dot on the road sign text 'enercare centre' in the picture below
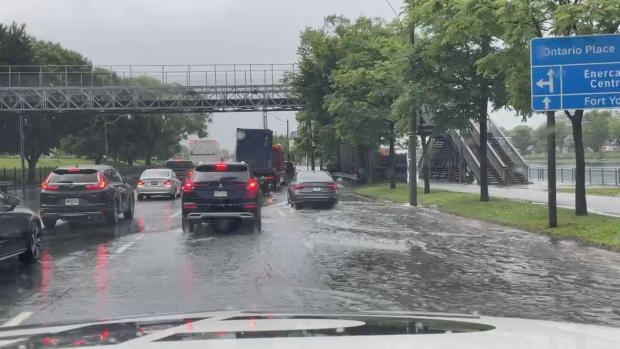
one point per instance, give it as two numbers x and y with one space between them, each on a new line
575 72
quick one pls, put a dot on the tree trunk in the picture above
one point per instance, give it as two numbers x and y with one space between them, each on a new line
426 164
392 168
147 157
482 158
581 205
32 164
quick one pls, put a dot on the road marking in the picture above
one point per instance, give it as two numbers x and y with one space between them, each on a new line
18 319
177 213
125 247
281 213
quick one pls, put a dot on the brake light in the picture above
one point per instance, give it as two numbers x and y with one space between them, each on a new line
140 182
269 178
333 186
190 173
74 169
300 186
45 185
221 167
101 183
168 182
188 186
252 185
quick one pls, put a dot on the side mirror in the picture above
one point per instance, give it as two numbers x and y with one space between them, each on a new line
127 180
14 201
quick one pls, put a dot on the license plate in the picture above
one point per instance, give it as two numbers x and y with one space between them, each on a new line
220 194
155 183
72 202
316 189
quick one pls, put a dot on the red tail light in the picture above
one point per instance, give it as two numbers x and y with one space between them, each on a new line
300 186
190 173
168 182
269 178
221 167
140 182
101 183
333 186
45 185
188 186
252 185
74 169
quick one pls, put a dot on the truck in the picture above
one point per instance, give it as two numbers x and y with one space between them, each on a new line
255 147
204 150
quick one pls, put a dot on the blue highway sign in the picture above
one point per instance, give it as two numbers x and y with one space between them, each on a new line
575 72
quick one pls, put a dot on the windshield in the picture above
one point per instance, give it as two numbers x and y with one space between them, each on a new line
433 156
155 174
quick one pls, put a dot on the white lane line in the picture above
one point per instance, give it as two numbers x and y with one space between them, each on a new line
18 319
281 213
177 213
128 245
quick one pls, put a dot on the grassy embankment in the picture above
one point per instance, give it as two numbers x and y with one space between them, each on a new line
611 191
594 229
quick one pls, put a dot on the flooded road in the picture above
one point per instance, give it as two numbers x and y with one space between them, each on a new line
362 255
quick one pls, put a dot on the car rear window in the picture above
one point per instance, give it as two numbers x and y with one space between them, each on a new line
180 165
213 172
155 174
74 176
317 176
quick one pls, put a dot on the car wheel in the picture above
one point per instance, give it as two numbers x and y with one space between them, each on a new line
140 197
131 210
188 227
297 206
112 217
49 222
33 252
258 224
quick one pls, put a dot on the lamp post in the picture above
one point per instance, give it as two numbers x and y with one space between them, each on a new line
288 135
105 132
22 152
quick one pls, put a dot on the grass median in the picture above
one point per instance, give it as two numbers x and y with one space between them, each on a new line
602 231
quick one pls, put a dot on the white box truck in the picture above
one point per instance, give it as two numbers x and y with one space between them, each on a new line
204 150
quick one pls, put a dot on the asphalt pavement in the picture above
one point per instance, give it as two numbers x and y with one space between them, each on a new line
361 255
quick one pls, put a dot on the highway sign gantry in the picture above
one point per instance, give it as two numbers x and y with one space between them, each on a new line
575 72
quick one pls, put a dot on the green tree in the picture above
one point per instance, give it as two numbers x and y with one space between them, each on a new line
523 20
521 137
453 37
596 129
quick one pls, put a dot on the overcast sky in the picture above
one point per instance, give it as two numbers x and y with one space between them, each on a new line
194 32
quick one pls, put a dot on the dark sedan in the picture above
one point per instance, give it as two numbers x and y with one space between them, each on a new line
20 230
310 188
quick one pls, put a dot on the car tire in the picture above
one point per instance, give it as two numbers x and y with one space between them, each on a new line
112 218
130 210
49 222
258 224
33 251
140 197
188 227
297 205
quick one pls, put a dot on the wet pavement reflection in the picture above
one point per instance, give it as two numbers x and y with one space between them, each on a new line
362 255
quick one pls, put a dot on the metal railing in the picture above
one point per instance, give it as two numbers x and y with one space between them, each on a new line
494 158
594 175
466 152
508 147
15 76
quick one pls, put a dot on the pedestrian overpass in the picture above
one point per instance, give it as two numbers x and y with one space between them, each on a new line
147 89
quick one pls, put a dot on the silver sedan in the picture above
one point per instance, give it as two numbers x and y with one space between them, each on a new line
309 188
158 182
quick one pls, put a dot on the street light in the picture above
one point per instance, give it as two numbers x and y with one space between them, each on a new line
288 141
105 132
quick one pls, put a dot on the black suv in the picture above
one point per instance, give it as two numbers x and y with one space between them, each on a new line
182 168
20 230
221 193
85 192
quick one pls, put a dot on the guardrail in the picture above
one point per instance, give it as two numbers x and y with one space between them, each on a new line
508 147
13 76
594 175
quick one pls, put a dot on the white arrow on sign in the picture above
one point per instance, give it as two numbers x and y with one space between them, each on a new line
546 101
542 83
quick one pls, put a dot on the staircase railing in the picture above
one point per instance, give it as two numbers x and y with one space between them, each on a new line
494 158
509 148
468 154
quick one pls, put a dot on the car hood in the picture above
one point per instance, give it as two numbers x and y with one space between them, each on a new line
288 329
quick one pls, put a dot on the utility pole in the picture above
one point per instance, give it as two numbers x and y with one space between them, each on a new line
413 166
312 145
22 152
288 142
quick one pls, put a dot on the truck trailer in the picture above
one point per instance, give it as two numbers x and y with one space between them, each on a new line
255 147
204 150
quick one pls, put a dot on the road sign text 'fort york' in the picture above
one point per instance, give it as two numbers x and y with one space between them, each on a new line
575 72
